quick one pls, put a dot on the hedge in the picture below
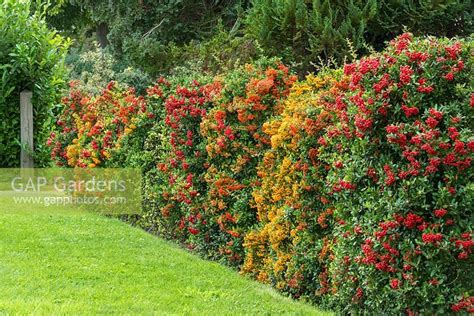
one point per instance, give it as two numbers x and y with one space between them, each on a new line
290 247
200 191
367 191
90 129
401 180
352 188
31 58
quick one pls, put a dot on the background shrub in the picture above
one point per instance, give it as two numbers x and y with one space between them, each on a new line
156 36
439 18
31 58
221 53
145 34
303 32
93 69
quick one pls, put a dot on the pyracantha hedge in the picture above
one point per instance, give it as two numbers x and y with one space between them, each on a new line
179 187
90 128
401 180
235 143
290 249
367 193
353 188
200 190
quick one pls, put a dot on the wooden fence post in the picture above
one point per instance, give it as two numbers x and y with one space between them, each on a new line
26 114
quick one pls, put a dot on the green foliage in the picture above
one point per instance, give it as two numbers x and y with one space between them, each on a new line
143 32
221 53
95 68
433 17
64 16
31 58
304 31
156 36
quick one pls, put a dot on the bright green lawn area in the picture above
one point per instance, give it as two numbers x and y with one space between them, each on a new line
64 263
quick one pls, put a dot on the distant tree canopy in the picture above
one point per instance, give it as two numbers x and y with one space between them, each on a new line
428 17
146 33
141 31
303 31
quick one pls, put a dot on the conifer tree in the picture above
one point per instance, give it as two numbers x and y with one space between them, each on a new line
304 30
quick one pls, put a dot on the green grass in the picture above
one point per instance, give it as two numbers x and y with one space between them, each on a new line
64 263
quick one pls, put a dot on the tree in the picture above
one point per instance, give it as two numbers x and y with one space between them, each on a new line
142 32
304 31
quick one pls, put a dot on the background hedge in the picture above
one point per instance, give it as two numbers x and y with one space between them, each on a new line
31 58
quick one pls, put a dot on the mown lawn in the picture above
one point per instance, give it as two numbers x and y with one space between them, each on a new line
64 263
